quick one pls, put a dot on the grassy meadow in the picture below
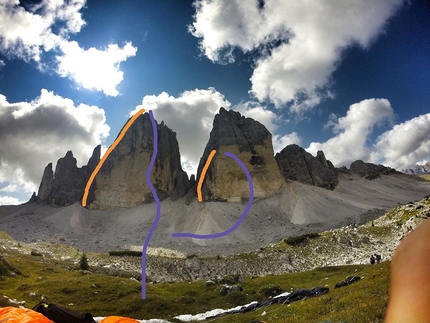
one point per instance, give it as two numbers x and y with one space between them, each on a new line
102 295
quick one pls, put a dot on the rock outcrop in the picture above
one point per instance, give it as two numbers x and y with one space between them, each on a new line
369 170
299 165
66 185
252 143
121 181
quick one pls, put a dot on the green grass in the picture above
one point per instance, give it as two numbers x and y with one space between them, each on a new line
364 301
425 177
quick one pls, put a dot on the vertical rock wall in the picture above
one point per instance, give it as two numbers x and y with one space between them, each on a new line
121 181
252 143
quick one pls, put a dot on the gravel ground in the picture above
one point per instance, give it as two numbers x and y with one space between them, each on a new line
297 210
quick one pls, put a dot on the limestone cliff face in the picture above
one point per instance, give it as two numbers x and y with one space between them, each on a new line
252 143
121 181
66 185
45 187
299 165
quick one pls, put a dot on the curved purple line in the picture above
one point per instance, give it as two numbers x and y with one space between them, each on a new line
157 201
236 225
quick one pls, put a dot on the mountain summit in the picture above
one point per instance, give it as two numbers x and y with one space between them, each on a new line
121 181
252 143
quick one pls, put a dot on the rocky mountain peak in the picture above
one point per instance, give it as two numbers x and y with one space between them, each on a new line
66 185
231 128
121 181
299 165
252 143
418 169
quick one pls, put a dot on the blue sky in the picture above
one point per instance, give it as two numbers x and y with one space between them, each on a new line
349 78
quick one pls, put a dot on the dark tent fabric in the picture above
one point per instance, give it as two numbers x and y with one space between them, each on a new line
286 299
350 280
60 314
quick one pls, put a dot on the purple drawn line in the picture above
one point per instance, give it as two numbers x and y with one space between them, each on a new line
236 225
157 201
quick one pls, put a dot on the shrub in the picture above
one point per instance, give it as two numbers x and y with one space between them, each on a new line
296 240
36 253
83 263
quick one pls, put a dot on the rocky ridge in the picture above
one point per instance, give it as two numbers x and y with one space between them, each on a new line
418 169
299 165
121 181
66 185
368 170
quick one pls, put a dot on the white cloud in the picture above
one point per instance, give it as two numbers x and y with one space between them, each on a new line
280 142
311 36
29 34
11 188
32 134
405 145
94 69
8 200
259 113
271 121
353 131
191 116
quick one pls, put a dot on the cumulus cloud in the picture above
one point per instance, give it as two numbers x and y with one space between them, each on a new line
31 32
259 113
353 130
405 145
280 142
10 188
94 69
271 121
298 44
32 134
9 200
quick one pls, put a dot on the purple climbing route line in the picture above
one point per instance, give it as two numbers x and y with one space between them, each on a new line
236 225
157 201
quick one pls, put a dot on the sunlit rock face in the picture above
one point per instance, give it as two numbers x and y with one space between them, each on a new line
252 143
121 181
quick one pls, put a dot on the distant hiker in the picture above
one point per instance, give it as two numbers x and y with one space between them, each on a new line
378 258
372 260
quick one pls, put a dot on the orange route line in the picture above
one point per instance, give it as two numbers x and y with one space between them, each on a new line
202 175
111 148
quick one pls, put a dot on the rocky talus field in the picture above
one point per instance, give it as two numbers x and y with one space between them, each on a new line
352 244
